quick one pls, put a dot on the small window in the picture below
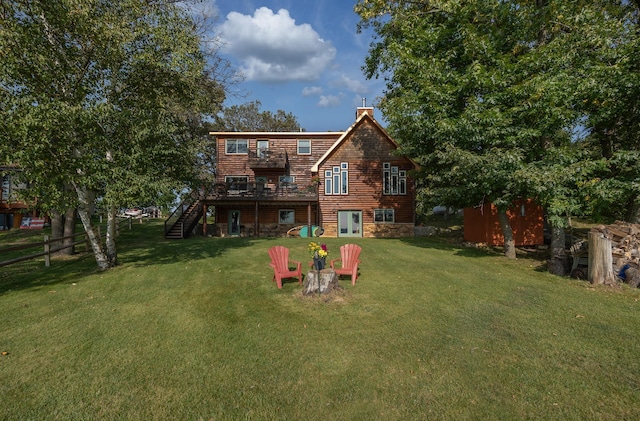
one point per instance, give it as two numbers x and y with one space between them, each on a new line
304 147
262 148
237 146
328 186
287 216
383 215
286 179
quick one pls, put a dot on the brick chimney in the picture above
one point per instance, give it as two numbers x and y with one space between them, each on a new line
364 109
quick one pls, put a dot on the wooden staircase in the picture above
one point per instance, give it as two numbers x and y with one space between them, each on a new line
182 221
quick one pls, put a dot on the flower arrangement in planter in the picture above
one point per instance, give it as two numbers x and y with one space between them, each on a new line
319 253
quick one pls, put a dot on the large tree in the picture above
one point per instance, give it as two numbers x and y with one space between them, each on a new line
248 118
484 94
463 98
609 72
100 98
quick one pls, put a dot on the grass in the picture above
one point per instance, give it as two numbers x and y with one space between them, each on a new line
196 330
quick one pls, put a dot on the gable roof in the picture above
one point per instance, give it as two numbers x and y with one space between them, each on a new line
364 116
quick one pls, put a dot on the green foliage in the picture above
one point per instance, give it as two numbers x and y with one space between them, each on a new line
105 97
248 118
486 95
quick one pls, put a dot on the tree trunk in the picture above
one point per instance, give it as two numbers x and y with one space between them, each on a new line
507 232
112 253
558 261
94 239
633 212
57 230
600 260
320 281
69 231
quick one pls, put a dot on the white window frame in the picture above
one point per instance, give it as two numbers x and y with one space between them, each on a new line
328 182
262 151
384 215
336 180
233 144
286 179
301 149
394 180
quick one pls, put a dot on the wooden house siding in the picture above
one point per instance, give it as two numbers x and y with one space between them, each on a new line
299 166
365 151
364 147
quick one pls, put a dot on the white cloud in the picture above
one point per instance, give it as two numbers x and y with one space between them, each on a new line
311 90
329 100
272 48
345 82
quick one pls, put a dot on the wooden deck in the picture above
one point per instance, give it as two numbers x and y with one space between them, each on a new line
225 192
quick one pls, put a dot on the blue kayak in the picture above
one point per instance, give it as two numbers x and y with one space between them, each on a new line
316 231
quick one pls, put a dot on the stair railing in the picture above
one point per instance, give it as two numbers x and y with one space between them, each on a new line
185 216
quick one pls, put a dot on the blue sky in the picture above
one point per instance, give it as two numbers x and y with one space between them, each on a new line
301 56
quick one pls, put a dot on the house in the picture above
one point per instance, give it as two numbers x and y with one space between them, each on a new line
482 224
15 213
340 184
11 208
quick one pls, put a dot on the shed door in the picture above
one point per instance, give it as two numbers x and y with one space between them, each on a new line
350 224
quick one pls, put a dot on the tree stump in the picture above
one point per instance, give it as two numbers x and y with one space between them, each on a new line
320 282
600 260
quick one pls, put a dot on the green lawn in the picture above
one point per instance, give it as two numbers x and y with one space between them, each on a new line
196 330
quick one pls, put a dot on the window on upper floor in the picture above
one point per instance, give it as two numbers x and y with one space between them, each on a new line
236 146
394 180
286 179
237 182
262 148
336 180
384 215
304 147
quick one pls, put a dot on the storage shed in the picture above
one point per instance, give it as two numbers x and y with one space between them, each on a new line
482 225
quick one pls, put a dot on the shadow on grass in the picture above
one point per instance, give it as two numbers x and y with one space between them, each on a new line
445 244
154 249
143 245
33 274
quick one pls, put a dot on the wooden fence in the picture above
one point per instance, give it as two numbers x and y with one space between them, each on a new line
47 244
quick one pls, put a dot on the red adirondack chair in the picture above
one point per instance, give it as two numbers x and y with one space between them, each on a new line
281 265
350 257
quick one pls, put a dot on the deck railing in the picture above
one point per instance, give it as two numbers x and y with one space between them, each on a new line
257 190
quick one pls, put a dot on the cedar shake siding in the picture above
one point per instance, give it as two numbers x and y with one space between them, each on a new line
268 183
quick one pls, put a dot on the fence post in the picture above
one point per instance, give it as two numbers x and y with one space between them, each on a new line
130 226
47 252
